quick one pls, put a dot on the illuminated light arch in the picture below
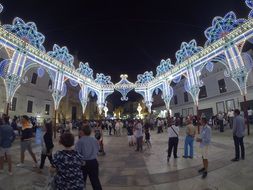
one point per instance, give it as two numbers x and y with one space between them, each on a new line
102 79
165 66
31 65
85 70
225 39
187 50
221 26
27 32
62 55
145 78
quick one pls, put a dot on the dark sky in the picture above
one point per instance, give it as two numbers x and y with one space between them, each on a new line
121 36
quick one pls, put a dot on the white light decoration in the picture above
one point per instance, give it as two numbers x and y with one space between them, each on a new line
139 108
105 110
225 39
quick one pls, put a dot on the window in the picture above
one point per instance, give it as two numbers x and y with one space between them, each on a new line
175 100
202 92
47 109
222 86
14 104
50 83
186 97
29 106
34 78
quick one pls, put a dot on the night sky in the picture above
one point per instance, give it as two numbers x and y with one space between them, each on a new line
121 36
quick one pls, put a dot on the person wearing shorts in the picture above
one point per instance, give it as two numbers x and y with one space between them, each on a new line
7 136
204 140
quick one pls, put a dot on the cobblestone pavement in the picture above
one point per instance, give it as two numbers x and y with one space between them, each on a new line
122 168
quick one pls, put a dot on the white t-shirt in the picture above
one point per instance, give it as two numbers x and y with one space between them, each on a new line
173 133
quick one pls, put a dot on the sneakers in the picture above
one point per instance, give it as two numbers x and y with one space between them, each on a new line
185 156
168 159
10 173
1 171
20 165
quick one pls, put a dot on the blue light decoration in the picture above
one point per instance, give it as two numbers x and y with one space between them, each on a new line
249 3
221 27
3 67
62 55
40 72
177 79
1 8
145 77
157 91
124 86
102 79
73 82
187 50
27 32
165 66
85 70
92 93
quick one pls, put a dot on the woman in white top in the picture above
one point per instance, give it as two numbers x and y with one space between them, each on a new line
173 132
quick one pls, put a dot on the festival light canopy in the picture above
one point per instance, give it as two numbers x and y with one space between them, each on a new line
225 39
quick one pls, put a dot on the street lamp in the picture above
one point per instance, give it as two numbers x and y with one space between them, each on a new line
139 108
105 110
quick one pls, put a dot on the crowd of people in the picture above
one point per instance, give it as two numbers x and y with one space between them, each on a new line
76 161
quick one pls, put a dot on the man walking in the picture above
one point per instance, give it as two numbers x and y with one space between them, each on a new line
238 134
